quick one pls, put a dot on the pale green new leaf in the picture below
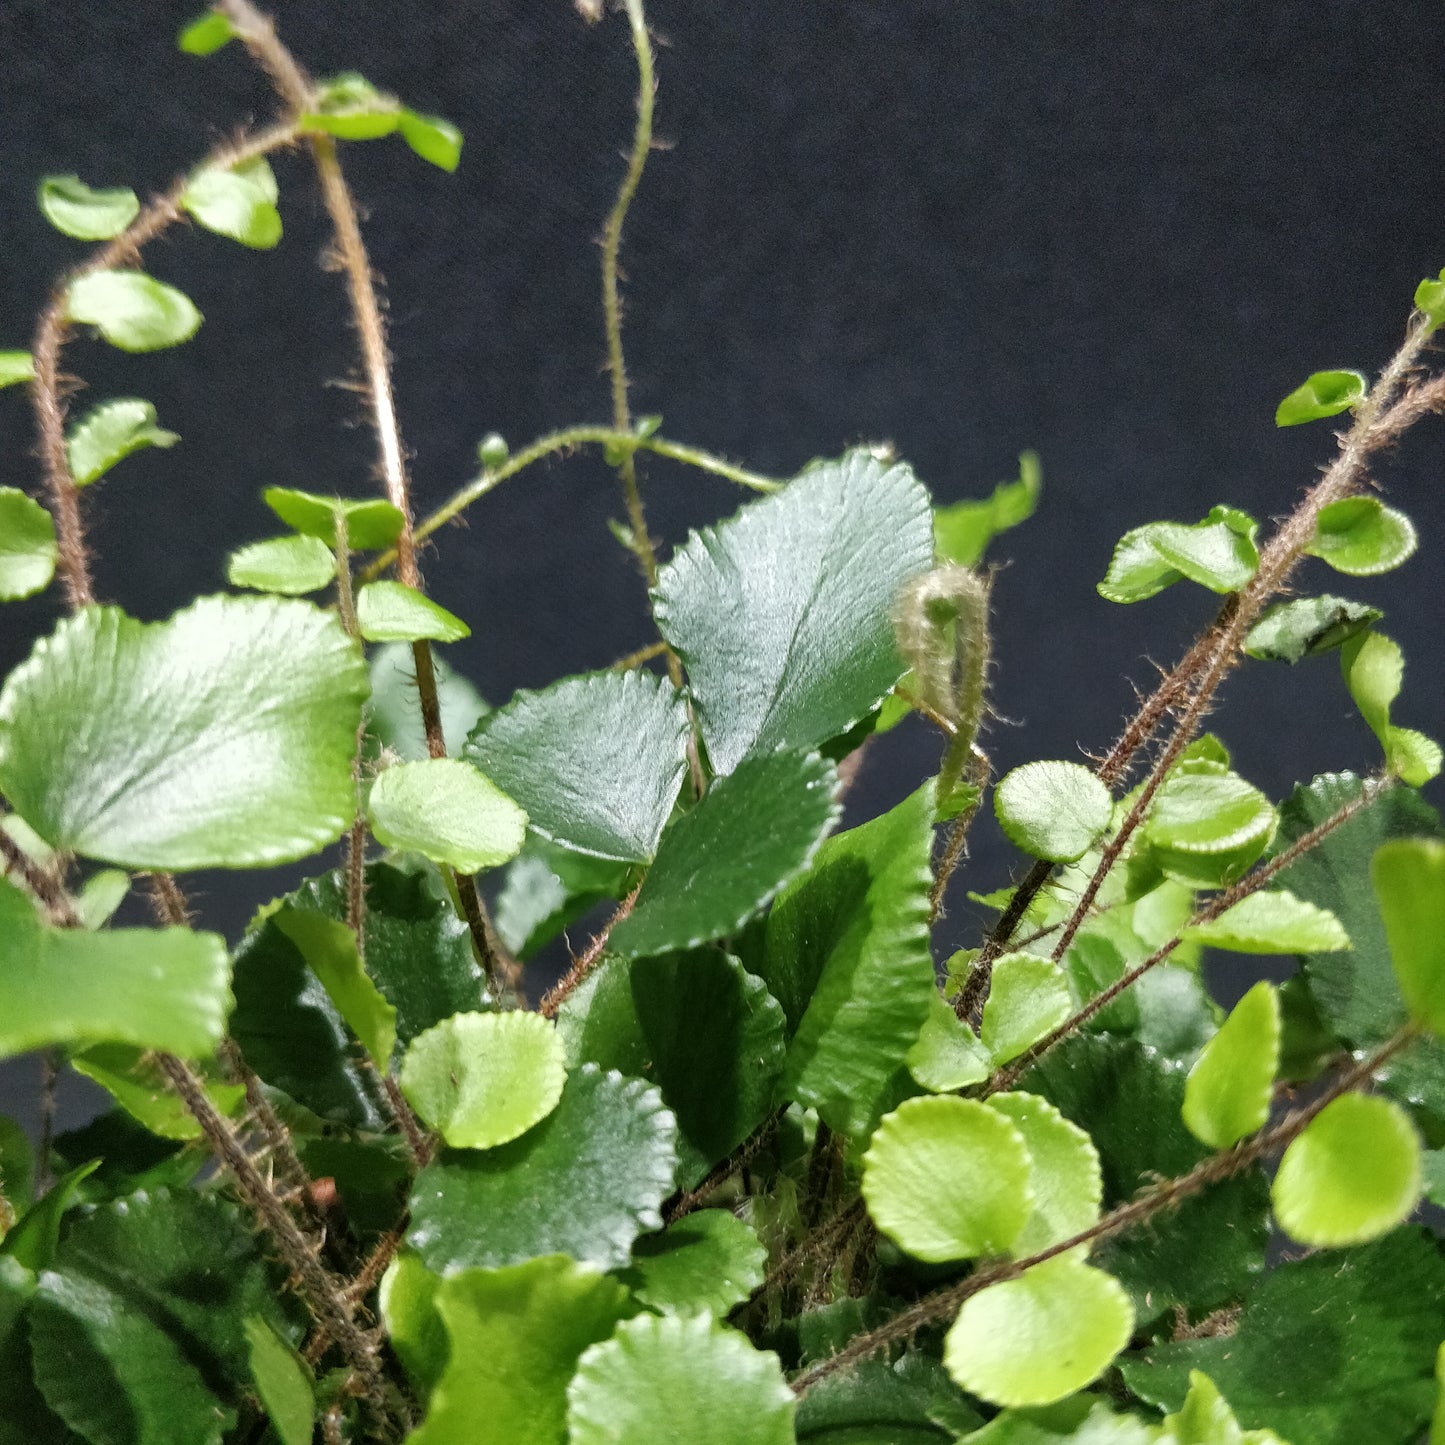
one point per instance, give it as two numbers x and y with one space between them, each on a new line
131 310
1409 879
925 1142
206 34
1065 1176
846 954
73 207
529 1323
1288 631
222 737
16 366
1036 1339
1217 553
1056 811
432 138
782 613
283 1381
1228 1090
238 204
1027 997
392 612
109 433
371 523
1206 1419
596 760
948 1054
1374 669
288 565
447 811
415 1329
1205 829
963 530
705 1263
1273 922
1353 1175
158 988
1362 537
27 545
749 834
662 1381
330 951
483 1079
1326 393
349 107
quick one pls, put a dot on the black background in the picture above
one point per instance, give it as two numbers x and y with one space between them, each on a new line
1115 233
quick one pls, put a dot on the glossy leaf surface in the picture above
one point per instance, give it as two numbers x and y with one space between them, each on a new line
750 833
1289 631
1217 553
1273 922
27 545
131 310
1362 537
640 1017
948 1054
846 954
390 612
782 614
1228 1090
1353 1175
1036 1339
705 1263
288 565
371 523
584 1182
126 1348
1337 1349
925 1141
1053 810
1409 879
109 433
658 1381
483 1079
595 760
447 811
157 988
1374 669
76 209
220 738
530 1323
1326 393
1207 828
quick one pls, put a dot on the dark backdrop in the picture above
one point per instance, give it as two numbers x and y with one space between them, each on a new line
1115 233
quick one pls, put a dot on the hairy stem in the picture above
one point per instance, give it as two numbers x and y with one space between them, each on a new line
944 1303
323 1296
1260 877
721 1172
48 391
586 961
1211 658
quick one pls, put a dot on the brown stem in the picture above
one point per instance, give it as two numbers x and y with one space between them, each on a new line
49 387
416 1139
586 961
40 881
972 995
1166 1195
720 1173
957 845
322 1295
1006 1077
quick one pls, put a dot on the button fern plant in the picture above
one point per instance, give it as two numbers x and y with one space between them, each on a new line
758 1168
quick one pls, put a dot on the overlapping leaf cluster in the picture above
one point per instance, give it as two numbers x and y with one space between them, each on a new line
756 1171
